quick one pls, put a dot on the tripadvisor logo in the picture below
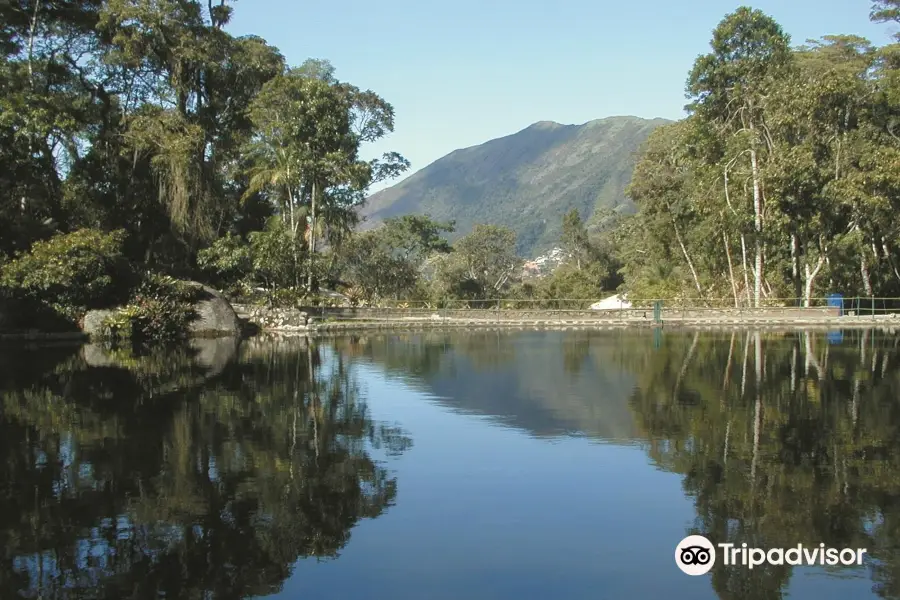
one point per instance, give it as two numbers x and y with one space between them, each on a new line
696 555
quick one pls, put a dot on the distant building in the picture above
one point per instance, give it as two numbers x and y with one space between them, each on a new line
531 269
545 264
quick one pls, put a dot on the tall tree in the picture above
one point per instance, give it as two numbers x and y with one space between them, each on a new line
729 88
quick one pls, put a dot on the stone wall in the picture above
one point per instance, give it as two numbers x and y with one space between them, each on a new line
281 319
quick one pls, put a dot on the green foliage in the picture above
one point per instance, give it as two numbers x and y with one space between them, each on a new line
373 271
390 262
228 262
305 155
483 265
271 258
70 273
783 182
415 237
884 11
276 257
568 281
160 311
575 237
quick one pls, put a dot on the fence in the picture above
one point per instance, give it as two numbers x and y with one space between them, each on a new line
650 310
850 306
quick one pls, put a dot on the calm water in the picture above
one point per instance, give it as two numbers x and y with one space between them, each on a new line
564 465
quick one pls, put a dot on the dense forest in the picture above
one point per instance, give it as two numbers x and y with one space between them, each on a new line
783 180
141 144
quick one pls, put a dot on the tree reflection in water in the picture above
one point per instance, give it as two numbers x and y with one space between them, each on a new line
781 439
169 476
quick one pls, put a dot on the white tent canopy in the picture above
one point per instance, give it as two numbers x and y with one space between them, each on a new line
612 303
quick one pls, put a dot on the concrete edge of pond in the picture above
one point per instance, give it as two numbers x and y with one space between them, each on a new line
716 324
889 323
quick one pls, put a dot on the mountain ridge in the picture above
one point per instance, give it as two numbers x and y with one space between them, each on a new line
525 180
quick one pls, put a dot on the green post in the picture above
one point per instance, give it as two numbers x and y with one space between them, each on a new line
657 311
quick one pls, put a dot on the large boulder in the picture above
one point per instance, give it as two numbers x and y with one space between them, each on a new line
93 320
215 316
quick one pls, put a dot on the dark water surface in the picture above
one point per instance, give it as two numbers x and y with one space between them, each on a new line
563 465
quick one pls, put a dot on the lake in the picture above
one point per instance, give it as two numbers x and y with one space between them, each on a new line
450 465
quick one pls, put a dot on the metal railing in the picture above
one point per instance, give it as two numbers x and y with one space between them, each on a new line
856 305
644 309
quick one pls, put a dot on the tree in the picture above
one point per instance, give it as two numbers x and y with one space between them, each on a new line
309 131
483 262
786 155
302 130
884 11
729 88
374 270
661 187
415 237
575 237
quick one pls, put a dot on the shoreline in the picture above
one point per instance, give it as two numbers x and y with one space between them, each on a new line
889 323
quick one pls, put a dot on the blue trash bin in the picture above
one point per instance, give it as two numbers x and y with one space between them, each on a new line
836 301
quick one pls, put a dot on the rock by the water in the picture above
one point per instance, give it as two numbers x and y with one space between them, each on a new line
215 316
93 321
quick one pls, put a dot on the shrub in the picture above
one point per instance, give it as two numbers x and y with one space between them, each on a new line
160 310
228 262
278 258
70 273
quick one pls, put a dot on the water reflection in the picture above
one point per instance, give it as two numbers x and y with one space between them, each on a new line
184 474
209 471
780 438
546 383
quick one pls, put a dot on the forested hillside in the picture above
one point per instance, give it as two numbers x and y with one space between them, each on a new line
526 181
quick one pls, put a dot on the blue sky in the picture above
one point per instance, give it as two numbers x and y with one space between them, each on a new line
463 72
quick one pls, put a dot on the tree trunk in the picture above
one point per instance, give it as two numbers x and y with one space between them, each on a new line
312 234
32 32
864 272
737 303
758 222
687 258
795 268
887 253
746 270
810 280
293 226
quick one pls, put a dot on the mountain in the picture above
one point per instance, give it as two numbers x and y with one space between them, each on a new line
526 181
